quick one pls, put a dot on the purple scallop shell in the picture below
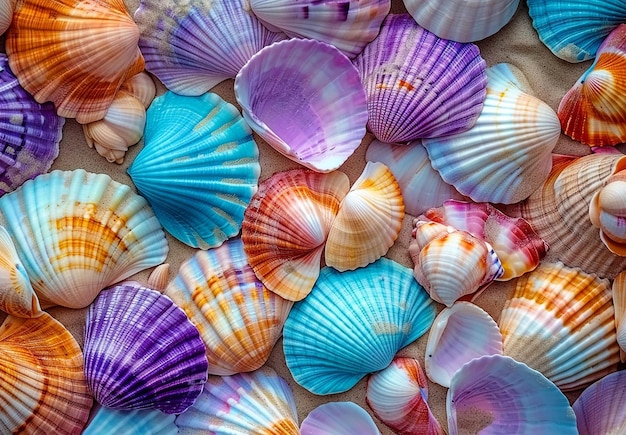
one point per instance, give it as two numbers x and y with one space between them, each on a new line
142 352
29 132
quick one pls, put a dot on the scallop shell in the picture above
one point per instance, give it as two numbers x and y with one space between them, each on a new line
368 221
348 25
619 303
361 317
77 60
560 321
238 318
78 232
305 98
398 395
286 225
593 111
462 20
506 155
130 422
198 168
142 352
43 388
599 409
193 46
498 395
419 85
243 404
338 418
6 14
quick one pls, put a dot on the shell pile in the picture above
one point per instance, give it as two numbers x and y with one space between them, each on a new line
312 216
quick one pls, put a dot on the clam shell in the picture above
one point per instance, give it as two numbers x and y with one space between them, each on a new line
599 409
560 321
142 352
193 46
619 303
238 318
130 422
361 317
77 232
506 155
198 168
77 60
43 388
419 85
338 418
305 98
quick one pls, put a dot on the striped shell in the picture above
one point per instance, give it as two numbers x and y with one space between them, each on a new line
338 418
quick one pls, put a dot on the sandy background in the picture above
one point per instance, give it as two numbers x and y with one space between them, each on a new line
517 43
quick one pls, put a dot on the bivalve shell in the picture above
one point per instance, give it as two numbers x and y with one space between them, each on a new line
130 422
599 409
338 418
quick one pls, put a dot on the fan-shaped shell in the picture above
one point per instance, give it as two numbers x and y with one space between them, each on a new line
238 318
600 408
77 60
43 388
77 232
142 352
560 321
305 98
130 422
198 167
419 85
286 225
6 14
619 303
193 46
338 418
361 317
506 155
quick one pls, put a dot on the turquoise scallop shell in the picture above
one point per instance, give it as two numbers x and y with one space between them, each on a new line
199 167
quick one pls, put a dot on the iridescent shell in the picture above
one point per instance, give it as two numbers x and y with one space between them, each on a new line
593 111
600 408
286 225
362 319
142 352
368 221
77 60
130 422
43 388
193 46
560 321
497 395
419 85
348 25
619 303
338 418
398 396
305 98
243 404
77 232
238 318
506 155
198 168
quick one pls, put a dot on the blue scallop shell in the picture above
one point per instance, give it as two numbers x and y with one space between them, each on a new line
198 169
353 323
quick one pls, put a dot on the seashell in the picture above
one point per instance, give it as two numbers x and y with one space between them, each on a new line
398 396
142 87
506 155
368 222
495 395
283 249
242 404
459 334
77 60
338 418
560 321
6 14
607 211
306 100
419 85
618 290
361 317
599 409
130 422
460 20
574 29
198 168
29 132
593 111
239 320
43 388
193 46
349 25
159 278
421 186
146 356
77 232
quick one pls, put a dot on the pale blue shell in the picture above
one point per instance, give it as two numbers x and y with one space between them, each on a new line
106 421
199 167
353 323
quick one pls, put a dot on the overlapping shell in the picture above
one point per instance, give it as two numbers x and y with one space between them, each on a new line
619 303
6 14
130 422
338 418
599 408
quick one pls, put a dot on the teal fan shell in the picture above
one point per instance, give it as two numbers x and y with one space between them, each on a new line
198 168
